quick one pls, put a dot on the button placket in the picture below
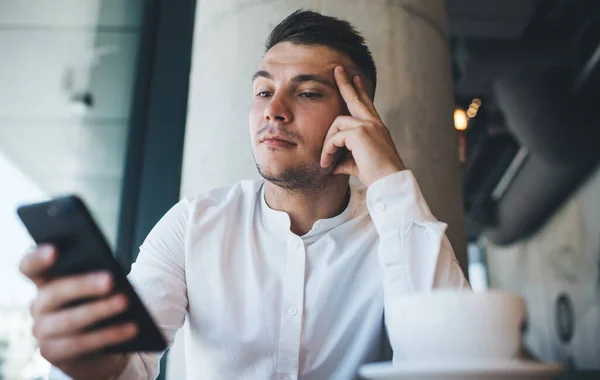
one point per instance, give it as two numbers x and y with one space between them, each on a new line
291 317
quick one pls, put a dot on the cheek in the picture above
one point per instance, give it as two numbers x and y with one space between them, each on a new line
314 127
318 121
255 118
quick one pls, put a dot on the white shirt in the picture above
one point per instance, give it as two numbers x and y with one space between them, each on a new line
264 303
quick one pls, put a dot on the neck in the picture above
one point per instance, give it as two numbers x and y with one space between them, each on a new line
306 206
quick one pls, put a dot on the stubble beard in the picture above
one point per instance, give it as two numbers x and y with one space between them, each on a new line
303 178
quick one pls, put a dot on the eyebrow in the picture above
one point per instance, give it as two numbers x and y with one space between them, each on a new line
261 74
298 78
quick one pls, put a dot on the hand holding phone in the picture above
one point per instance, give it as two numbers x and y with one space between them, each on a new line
86 309
63 334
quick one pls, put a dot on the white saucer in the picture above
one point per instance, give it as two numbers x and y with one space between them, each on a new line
512 369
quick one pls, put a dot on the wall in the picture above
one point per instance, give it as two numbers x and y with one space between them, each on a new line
561 261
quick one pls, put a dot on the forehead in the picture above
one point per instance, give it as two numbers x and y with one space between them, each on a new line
289 58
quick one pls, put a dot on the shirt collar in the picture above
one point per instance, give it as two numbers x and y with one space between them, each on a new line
279 221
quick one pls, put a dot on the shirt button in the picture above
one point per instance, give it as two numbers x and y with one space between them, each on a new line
292 311
299 245
382 207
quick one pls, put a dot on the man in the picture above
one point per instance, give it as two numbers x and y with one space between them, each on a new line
284 278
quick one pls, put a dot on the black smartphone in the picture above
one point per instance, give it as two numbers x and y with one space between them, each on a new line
67 224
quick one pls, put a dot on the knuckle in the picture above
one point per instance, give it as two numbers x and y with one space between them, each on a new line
43 327
23 264
33 308
96 340
362 131
72 317
68 347
47 352
74 345
63 349
370 124
37 305
35 330
26 263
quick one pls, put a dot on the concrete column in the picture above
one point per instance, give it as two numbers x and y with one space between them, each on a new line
409 40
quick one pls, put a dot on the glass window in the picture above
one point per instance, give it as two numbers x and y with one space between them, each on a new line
67 72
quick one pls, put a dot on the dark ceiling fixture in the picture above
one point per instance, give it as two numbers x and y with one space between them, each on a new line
534 143
557 135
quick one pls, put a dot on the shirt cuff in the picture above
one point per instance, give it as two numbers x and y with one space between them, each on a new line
131 370
396 201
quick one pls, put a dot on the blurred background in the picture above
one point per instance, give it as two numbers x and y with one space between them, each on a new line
494 104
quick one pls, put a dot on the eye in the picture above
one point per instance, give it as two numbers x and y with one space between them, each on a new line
263 94
310 95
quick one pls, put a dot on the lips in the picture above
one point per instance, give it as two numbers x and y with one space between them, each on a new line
272 143
276 140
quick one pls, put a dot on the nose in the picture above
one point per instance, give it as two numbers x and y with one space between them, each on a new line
278 110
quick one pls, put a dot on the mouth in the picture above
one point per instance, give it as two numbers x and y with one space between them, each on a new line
277 142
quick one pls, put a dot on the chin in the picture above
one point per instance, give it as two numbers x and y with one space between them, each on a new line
271 171
274 162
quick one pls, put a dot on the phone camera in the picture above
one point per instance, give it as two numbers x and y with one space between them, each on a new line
52 210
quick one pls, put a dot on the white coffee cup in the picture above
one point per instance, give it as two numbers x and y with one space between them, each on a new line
457 324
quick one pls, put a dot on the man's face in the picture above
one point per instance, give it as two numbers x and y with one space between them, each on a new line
295 102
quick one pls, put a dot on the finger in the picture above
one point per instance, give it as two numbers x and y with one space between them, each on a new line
332 145
68 348
78 318
61 291
37 262
342 123
364 97
355 106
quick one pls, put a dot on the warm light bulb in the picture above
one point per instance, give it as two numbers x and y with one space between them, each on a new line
460 119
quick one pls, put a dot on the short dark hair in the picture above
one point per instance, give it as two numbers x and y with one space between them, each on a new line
311 28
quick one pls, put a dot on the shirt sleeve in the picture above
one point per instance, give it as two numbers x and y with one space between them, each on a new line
158 277
414 252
